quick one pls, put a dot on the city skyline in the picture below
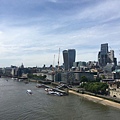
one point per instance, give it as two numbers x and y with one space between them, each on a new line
31 32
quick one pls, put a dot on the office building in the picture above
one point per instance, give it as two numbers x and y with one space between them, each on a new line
69 57
105 56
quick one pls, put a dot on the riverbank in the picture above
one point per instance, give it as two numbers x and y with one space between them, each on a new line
97 99
92 98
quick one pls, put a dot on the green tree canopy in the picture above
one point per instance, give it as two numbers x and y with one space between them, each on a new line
96 87
84 79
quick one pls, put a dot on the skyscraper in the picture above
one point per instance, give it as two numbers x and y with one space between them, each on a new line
104 56
104 48
65 59
69 57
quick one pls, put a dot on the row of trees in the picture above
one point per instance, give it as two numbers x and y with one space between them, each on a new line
94 86
85 79
31 76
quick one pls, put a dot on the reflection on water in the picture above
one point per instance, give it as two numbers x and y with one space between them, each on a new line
15 104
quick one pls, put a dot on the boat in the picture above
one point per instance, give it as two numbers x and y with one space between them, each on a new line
59 94
29 91
48 89
40 85
54 93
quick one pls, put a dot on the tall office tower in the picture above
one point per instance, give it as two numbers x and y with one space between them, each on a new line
69 57
65 58
104 48
104 56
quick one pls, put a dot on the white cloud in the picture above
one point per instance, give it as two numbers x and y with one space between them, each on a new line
54 1
104 10
34 41
1 32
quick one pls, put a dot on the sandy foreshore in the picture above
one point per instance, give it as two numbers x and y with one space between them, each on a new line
97 99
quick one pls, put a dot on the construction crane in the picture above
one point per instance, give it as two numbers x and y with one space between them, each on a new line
53 63
58 58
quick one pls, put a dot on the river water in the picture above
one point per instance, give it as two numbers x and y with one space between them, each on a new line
16 104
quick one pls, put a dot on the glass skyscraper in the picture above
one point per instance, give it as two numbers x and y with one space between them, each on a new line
105 56
69 57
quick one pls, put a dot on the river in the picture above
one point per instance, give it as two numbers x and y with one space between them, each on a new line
16 104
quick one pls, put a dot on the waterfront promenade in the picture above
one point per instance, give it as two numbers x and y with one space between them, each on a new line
97 99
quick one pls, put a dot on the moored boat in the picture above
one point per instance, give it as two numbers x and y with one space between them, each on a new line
40 85
54 93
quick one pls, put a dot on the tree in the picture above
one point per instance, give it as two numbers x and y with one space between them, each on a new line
44 76
36 77
98 79
84 79
103 76
29 75
96 87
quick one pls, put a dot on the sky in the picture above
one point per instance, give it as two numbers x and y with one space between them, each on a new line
32 31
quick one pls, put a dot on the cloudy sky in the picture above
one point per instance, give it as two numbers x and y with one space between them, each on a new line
32 31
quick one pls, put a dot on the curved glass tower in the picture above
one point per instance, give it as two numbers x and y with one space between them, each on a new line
69 57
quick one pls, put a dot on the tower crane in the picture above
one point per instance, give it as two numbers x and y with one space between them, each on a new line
53 64
58 58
